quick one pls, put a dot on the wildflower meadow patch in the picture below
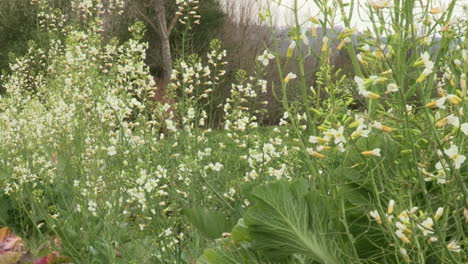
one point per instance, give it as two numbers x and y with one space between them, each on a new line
365 164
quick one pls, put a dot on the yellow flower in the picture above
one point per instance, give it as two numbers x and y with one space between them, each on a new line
314 31
343 43
453 99
439 103
384 128
315 153
442 122
403 227
371 95
291 49
402 236
318 140
324 44
324 148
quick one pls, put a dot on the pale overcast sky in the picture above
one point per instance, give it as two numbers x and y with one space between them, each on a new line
308 8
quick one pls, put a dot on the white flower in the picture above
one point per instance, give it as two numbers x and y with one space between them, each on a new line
191 113
314 153
341 147
338 135
425 58
374 152
402 236
384 128
439 213
360 82
441 175
453 120
392 87
92 207
362 88
289 77
375 214
215 167
391 204
111 151
319 140
409 108
380 3
265 57
404 254
369 95
404 216
464 128
439 103
452 153
428 64
454 246
360 132
403 227
426 226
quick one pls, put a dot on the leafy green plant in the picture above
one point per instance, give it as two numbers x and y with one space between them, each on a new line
285 222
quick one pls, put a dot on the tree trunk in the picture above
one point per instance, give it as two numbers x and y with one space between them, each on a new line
165 44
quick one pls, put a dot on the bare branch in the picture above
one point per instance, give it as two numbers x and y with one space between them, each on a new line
147 19
172 24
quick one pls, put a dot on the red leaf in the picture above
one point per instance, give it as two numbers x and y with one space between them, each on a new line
10 241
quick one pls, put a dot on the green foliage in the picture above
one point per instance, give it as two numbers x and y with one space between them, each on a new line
282 223
285 222
367 167
17 27
211 223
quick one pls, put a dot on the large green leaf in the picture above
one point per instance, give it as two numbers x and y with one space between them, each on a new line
226 251
224 255
210 223
240 233
280 223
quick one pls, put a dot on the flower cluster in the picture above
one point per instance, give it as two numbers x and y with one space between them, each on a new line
411 225
187 9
